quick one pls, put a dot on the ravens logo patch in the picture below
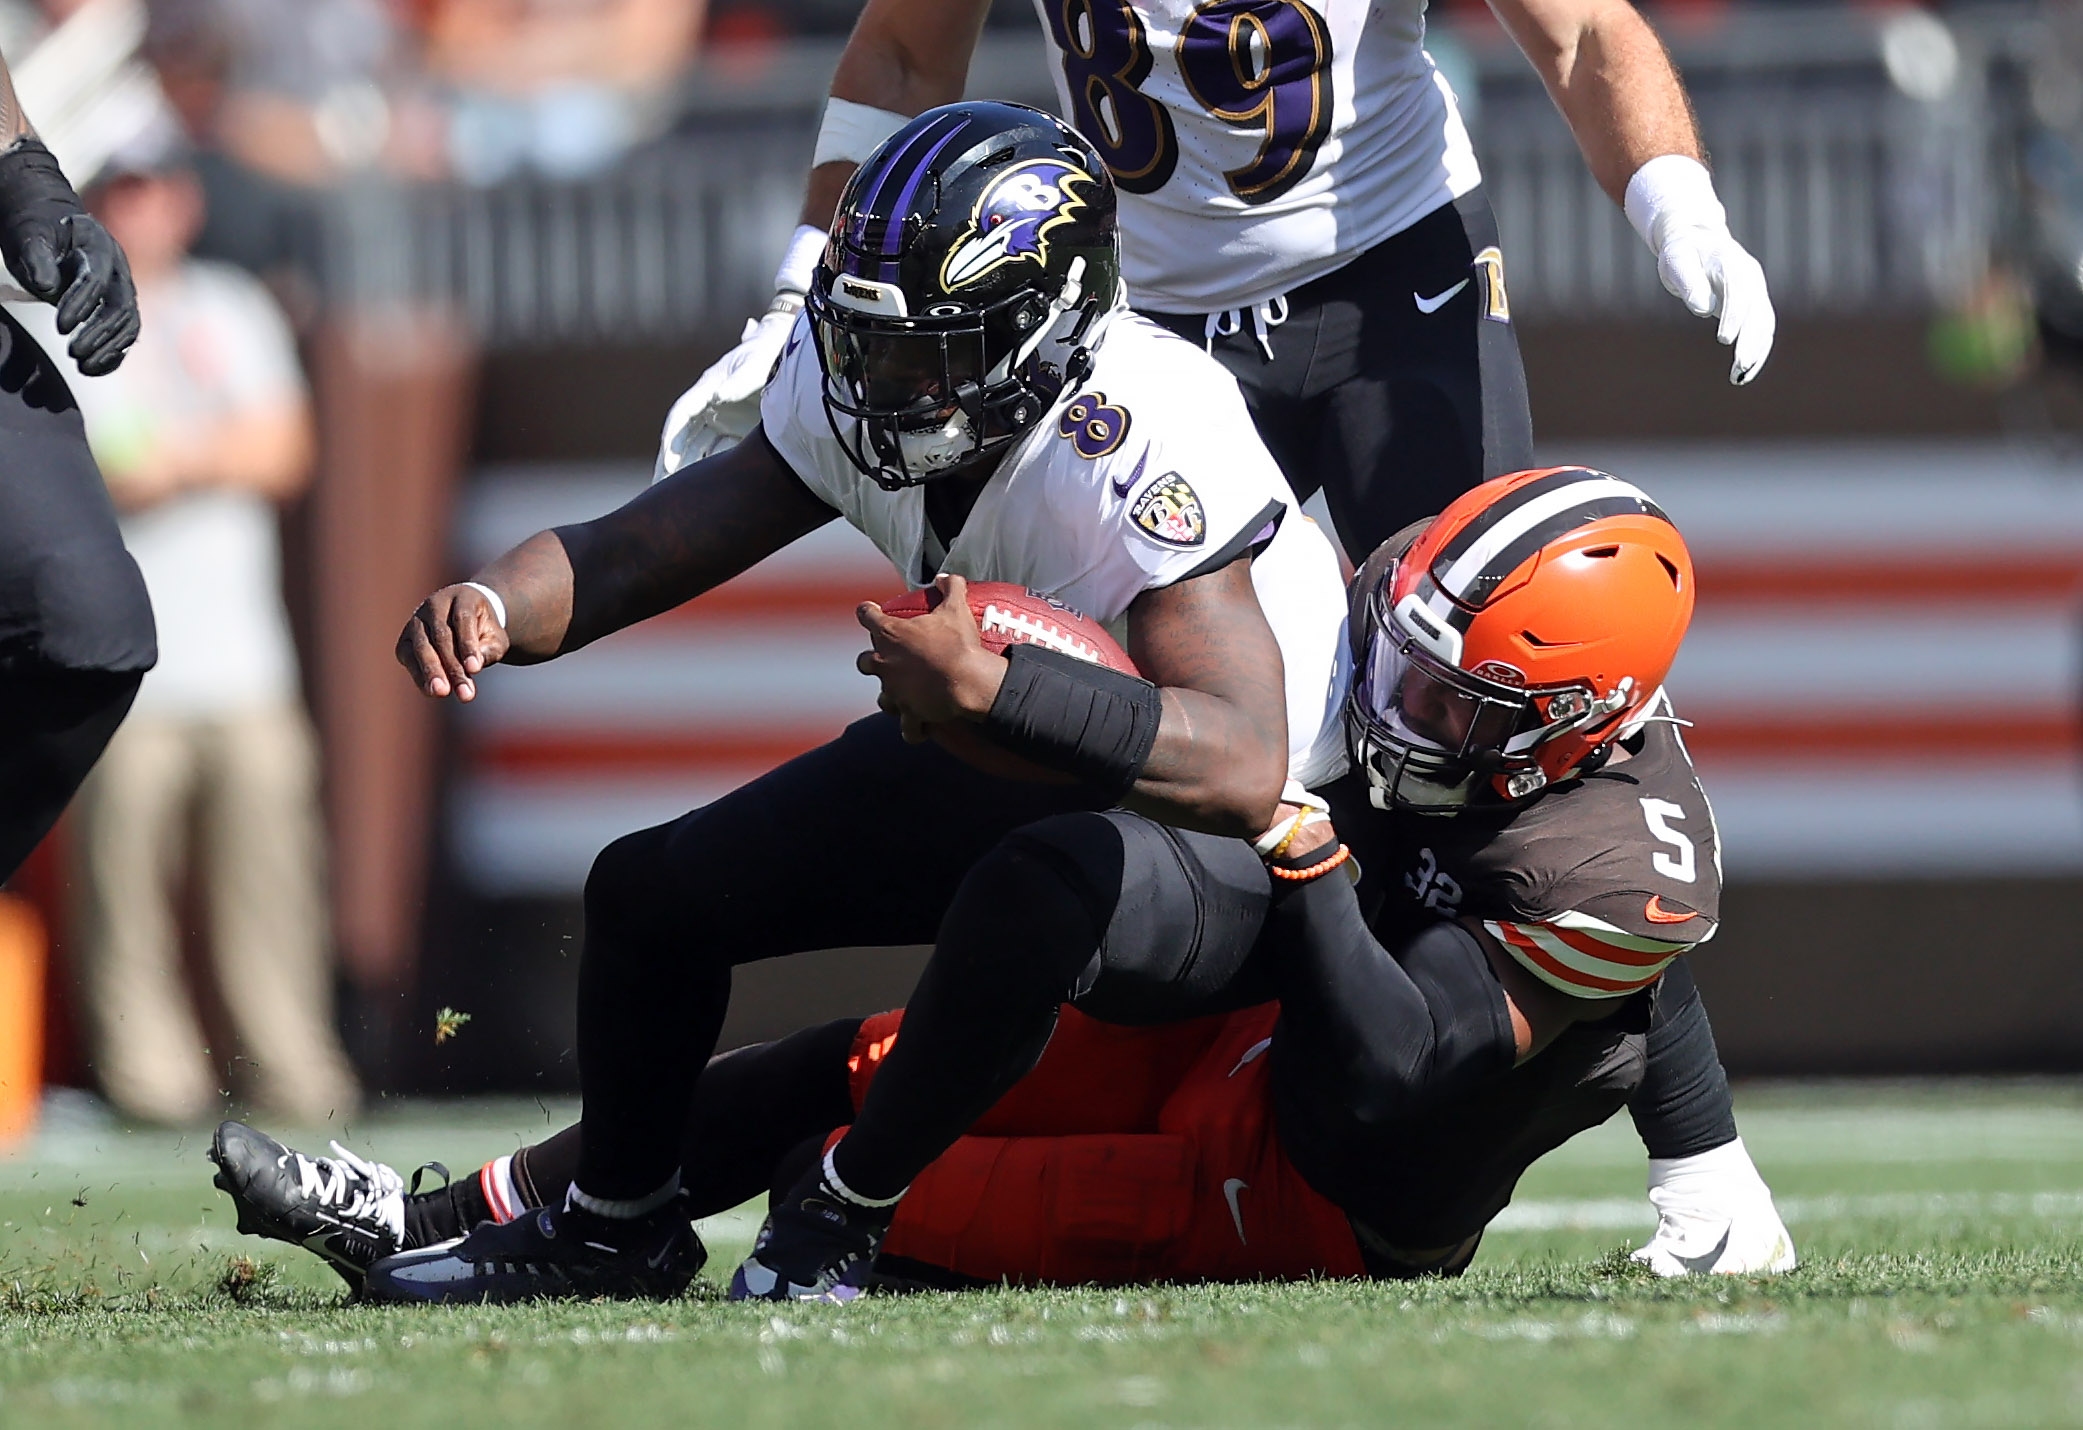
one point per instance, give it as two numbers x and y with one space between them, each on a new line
1170 510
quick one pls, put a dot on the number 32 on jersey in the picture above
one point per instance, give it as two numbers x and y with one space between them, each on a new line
1259 63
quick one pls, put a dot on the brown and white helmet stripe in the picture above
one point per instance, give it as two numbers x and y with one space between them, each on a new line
1474 561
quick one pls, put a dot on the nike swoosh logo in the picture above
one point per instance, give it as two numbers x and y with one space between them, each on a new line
1433 305
1234 1185
1656 913
1122 484
1703 1263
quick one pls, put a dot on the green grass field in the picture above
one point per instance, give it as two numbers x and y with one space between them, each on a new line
1941 1228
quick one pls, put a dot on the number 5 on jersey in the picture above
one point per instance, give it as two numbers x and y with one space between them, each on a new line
1659 814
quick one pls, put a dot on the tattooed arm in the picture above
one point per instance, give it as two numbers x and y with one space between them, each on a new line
1220 759
13 123
564 588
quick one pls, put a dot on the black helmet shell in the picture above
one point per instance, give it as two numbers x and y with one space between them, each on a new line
971 261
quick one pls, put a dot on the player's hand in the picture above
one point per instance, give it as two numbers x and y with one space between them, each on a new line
451 637
59 253
933 668
1318 837
1714 1214
722 407
1715 277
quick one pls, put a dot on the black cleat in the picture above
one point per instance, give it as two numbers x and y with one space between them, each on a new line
348 1211
816 1246
552 1252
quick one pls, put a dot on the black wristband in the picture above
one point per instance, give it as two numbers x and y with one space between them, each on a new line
1075 716
29 174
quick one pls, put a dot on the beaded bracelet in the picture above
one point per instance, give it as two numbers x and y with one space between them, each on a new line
1316 870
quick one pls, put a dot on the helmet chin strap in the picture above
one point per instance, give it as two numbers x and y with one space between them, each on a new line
1073 291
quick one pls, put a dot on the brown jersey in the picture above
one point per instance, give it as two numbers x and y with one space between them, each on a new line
1594 885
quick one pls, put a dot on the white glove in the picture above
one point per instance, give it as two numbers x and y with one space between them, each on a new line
722 407
1672 204
1714 1213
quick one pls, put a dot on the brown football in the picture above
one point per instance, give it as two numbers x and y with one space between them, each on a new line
1010 615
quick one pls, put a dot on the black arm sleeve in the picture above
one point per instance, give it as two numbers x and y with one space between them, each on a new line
1683 1107
1382 1037
1075 716
683 536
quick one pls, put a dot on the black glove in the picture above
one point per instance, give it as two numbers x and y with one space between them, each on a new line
58 252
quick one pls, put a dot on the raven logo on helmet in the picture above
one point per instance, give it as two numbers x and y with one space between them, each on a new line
1013 217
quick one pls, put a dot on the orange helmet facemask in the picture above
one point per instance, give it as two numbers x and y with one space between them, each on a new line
1516 636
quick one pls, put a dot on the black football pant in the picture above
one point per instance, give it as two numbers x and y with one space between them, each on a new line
1390 409
75 624
865 842
1130 920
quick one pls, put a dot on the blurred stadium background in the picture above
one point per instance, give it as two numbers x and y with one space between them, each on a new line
510 233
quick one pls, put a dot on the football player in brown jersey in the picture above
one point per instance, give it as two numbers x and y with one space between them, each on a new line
1525 807
1539 855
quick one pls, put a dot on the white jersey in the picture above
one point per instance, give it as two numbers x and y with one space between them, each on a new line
1150 473
1257 144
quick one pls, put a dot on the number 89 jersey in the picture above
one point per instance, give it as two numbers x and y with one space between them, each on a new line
1594 886
1257 144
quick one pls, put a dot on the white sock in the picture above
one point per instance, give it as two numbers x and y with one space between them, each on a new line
846 1193
502 1194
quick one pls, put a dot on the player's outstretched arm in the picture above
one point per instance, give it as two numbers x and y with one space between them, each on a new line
904 57
1609 75
1714 1212
561 589
59 252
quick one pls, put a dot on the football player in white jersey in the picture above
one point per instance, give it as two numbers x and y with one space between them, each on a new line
967 389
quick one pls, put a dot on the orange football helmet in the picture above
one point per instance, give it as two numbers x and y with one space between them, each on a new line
1515 637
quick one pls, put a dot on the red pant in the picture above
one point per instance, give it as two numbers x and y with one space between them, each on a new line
1128 1154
